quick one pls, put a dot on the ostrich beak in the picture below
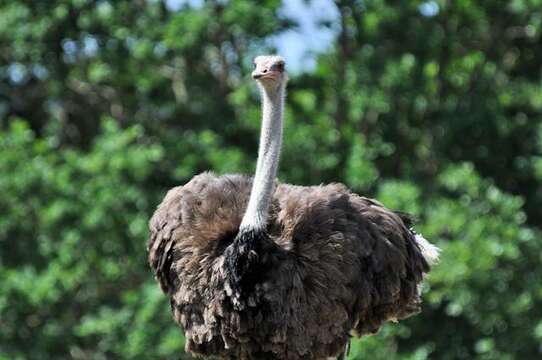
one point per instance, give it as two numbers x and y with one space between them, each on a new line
264 74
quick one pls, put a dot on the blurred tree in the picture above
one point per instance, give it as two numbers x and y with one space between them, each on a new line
434 107
74 280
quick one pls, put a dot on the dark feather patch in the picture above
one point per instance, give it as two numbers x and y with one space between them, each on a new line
247 260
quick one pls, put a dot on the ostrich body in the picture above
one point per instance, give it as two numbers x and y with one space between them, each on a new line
257 269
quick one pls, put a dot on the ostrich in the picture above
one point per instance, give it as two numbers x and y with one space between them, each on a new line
257 269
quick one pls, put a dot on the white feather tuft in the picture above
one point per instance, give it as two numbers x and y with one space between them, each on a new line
429 251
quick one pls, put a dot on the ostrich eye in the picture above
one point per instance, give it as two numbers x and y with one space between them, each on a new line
255 65
280 66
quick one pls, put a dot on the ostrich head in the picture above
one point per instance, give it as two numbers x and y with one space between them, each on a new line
270 71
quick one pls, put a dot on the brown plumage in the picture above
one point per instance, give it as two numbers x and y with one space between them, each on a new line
328 263
342 262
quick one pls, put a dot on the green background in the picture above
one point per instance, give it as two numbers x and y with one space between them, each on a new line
104 105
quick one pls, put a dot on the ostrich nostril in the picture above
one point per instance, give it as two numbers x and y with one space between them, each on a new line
264 71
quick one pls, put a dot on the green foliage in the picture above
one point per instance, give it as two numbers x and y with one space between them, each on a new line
74 278
105 105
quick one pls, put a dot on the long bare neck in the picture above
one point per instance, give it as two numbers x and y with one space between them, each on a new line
257 212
